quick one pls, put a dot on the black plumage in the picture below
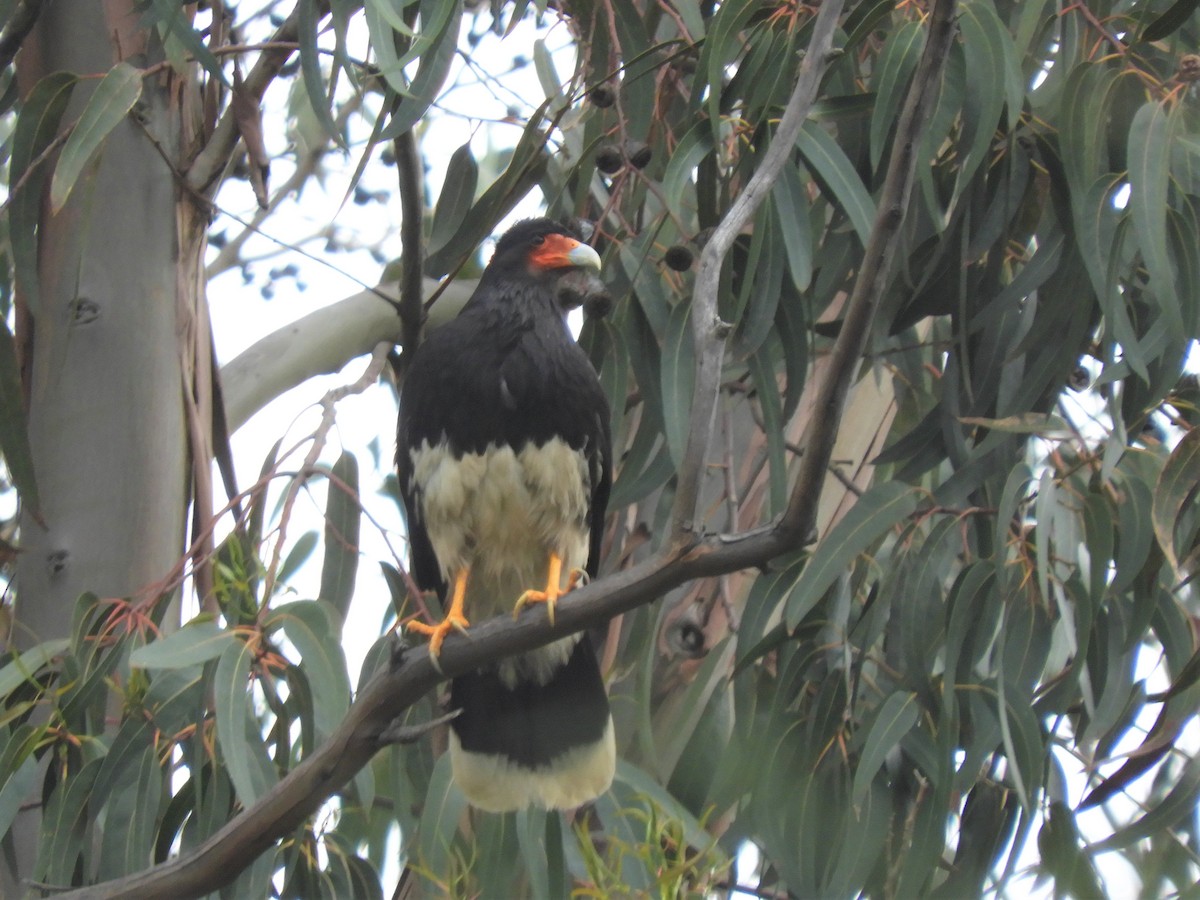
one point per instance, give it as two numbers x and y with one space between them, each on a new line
504 460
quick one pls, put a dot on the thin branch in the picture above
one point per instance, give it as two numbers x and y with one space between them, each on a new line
800 515
708 331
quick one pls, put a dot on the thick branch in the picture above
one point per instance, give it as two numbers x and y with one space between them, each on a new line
708 331
798 519
322 342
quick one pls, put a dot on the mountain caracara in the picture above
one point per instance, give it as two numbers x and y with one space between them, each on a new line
504 460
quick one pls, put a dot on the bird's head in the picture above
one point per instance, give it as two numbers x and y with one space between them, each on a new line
543 250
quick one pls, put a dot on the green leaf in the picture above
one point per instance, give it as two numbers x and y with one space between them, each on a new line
982 101
241 745
1149 155
196 642
835 173
19 770
343 516
892 72
1176 488
112 100
63 826
1045 425
458 192
309 20
792 212
14 431
695 144
678 380
895 719
762 373
297 556
25 666
875 513
444 805
1135 530
1174 18
436 48
36 127
316 632
170 15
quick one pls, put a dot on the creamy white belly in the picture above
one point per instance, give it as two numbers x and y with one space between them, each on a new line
501 513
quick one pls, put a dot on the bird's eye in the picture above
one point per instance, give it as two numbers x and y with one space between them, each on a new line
538 241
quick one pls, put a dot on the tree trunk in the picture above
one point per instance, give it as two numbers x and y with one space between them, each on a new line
116 317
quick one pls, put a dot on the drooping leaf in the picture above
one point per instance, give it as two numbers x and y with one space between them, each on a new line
678 380
837 177
241 745
458 192
36 128
1176 487
14 431
196 642
343 516
894 720
875 513
316 631
1149 179
112 100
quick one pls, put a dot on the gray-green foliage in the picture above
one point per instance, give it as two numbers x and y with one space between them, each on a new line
888 713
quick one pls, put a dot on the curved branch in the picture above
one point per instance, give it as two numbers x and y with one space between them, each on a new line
708 331
323 342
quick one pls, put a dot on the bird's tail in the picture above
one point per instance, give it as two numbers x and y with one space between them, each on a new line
535 730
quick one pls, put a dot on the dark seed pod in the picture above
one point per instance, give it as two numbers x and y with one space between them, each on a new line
608 160
639 154
603 96
598 304
679 258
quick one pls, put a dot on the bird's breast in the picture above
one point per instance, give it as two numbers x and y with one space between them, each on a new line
500 513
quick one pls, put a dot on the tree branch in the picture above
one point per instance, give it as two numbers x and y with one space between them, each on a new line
322 342
708 331
800 515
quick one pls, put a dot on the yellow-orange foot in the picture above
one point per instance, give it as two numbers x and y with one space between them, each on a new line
553 590
454 620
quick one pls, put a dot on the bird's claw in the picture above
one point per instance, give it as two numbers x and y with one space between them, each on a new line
437 633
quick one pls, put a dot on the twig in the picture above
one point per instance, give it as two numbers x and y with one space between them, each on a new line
708 330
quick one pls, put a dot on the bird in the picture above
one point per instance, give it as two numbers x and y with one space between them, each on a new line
504 459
